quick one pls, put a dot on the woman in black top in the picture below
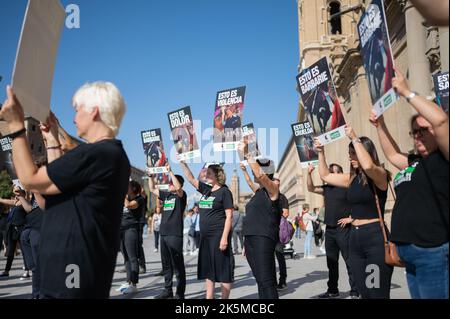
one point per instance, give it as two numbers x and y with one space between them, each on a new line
16 223
420 217
367 179
215 259
129 236
262 226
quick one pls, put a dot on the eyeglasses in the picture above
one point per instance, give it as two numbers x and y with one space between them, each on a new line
419 131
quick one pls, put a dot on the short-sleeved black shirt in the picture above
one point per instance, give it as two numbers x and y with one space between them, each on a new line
283 201
34 217
212 206
172 213
263 216
80 231
132 217
420 214
336 205
18 218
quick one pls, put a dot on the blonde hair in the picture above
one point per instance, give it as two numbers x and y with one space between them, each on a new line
219 172
107 98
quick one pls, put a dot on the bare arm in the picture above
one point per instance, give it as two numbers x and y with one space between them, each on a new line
377 173
338 180
190 177
33 179
176 182
227 229
429 110
271 187
310 183
249 181
131 204
25 204
151 185
388 144
7 202
434 11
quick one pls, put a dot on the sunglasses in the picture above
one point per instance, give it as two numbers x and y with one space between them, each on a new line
421 131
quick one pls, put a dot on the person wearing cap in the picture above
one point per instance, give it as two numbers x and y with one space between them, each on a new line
262 225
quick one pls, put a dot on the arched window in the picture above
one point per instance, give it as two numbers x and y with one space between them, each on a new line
335 23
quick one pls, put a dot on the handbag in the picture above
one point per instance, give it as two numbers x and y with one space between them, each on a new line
391 256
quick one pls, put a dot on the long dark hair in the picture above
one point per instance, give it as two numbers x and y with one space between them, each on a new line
369 146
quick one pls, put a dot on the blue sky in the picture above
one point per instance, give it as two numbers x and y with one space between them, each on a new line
164 55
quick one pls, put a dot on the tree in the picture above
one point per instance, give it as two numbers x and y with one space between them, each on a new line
5 185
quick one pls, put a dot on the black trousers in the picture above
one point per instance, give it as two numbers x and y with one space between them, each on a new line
281 263
259 251
372 275
173 262
129 246
12 239
337 241
141 256
197 239
29 241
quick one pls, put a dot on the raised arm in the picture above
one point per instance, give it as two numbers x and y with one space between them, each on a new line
310 183
338 180
151 186
176 182
249 181
428 110
434 11
33 179
51 138
388 144
130 204
377 173
189 176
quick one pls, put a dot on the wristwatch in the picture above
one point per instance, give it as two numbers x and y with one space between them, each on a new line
13 135
411 96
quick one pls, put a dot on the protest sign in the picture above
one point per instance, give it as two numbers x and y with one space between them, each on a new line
377 55
321 102
441 89
304 142
251 144
36 56
183 134
228 114
154 151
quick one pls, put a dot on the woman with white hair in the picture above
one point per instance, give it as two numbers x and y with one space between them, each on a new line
84 191
262 226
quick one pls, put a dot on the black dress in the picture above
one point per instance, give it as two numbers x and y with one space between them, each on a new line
214 264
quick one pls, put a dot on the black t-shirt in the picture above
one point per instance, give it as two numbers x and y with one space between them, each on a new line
80 231
132 217
212 208
361 199
420 214
336 205
283 202
263 216
172 213
3 221
143 219
18 217
34 218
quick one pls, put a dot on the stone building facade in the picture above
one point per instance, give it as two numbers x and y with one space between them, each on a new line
419 52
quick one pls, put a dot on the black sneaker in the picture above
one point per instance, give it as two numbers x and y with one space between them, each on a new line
4 275
355 296
122 270
177 296
328 295
165 295
281 287
161 273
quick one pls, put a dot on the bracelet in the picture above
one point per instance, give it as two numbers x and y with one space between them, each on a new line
54 147
411 96
356 140
14 135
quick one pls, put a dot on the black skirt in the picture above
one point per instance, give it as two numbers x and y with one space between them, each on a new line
214 264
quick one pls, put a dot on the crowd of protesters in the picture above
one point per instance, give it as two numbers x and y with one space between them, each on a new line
75 212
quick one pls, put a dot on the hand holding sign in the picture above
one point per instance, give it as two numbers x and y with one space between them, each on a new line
400 84
12 112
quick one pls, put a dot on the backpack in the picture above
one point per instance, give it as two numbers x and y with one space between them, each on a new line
302 224
286 231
